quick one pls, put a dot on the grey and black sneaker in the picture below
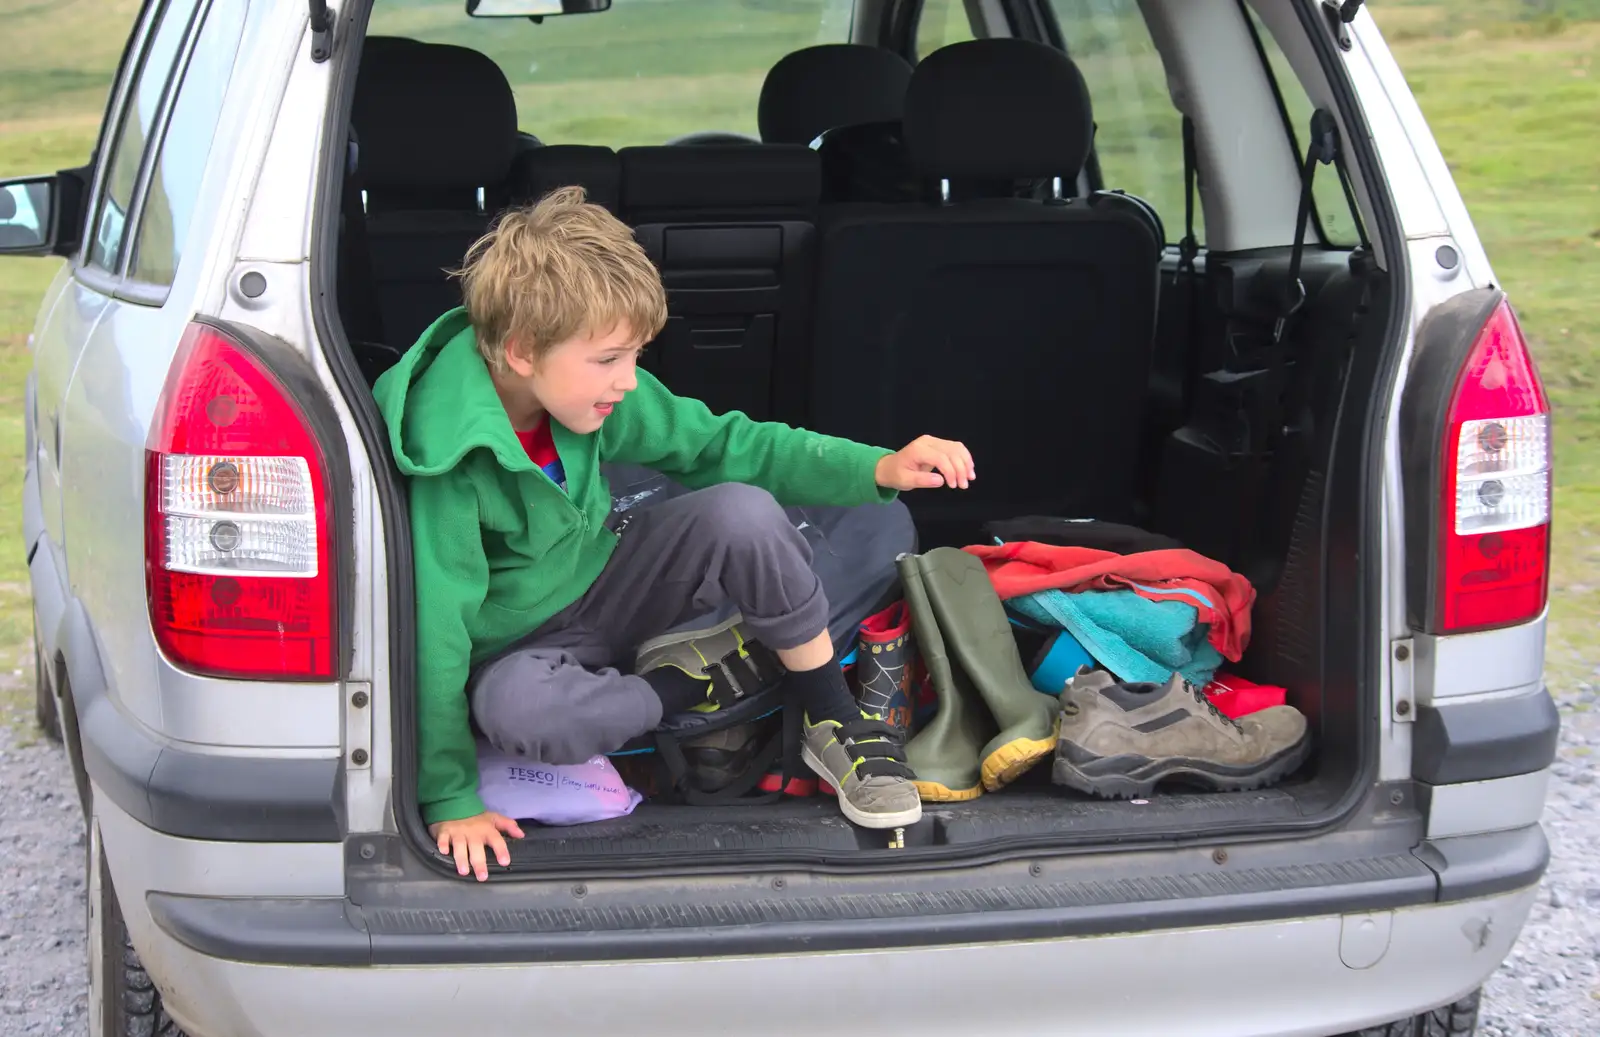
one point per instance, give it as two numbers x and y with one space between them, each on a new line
1119 740
865 764
732 666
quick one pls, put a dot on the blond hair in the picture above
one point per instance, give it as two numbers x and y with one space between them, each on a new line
556 269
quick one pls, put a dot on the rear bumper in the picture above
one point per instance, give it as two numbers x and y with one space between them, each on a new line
1242 950
1305 976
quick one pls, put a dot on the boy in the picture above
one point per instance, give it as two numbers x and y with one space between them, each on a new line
530 592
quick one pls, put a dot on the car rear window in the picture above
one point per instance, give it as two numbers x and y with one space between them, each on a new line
642 72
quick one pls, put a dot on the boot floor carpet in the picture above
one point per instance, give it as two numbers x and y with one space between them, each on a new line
812 826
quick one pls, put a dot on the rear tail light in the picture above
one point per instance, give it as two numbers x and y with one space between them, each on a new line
237 521
1494 514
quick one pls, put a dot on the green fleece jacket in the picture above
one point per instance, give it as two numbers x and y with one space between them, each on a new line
499 548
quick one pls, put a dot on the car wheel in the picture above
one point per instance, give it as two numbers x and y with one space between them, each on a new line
123 1001
1457 1020
44 708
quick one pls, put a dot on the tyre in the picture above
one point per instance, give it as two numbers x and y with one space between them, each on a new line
123 1001
44 708
1457 1020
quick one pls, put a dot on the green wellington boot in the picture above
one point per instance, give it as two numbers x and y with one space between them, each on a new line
944 756
974 625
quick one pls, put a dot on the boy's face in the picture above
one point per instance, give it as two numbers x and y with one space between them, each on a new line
579 381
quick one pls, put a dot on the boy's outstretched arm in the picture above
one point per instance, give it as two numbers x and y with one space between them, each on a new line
452 579
682 438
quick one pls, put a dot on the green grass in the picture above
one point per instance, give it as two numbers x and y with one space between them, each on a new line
1508 87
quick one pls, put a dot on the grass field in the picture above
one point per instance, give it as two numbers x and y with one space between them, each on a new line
1509 87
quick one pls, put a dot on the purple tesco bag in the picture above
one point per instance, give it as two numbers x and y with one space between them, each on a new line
573 794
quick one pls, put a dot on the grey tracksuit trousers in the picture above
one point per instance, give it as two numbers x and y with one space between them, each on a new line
558 697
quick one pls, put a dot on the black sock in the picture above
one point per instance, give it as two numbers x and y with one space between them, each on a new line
823 693
678 691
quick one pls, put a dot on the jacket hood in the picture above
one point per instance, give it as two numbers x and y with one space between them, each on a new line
440 403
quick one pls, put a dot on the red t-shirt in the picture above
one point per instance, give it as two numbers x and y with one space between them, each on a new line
541 448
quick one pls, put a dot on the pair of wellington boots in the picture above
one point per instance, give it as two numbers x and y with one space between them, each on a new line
991 725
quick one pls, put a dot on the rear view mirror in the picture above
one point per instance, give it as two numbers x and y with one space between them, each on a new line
535 9
28 216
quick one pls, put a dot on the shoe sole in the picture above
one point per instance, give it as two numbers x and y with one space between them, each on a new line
1014 759
898 819
656 643
1131 776
933 792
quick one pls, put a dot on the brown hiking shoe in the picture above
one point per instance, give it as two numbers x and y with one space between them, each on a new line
1119 740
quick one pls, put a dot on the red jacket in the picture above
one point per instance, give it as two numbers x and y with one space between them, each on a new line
1025 567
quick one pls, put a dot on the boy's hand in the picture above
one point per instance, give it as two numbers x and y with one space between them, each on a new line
925 464
468 837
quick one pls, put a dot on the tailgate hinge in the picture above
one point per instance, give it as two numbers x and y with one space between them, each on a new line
321 31
1401 683
1339 16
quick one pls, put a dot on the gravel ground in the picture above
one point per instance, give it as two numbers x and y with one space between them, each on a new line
1550 987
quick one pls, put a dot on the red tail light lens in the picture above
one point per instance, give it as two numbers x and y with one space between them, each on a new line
1495 512
237 521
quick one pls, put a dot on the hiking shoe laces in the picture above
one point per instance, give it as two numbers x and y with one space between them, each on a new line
1201 697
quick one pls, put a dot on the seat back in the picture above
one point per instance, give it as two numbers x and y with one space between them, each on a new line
732 229
437 132
538 171
1021 327
827 86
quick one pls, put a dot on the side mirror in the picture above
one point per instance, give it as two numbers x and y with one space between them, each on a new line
42 215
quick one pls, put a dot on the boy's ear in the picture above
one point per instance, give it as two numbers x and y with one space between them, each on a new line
519 362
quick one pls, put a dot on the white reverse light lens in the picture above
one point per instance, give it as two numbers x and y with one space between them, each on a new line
238 516
207 484
1503 474
241 547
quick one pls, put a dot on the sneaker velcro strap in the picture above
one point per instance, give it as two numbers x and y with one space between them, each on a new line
874 748
867 728
875 767
736 676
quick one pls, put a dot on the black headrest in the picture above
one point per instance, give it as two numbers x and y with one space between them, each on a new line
835 84
538 171
720 176
998 109
432 115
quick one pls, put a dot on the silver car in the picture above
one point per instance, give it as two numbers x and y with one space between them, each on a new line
1214 282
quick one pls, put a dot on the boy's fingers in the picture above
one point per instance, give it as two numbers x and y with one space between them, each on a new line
501 854
463 865
510 827
958 465
480 867
444 842
953 474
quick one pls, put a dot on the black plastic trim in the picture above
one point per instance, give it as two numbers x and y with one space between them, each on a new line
192 795
1352 603
387 484
1444 339
552 926
1480 741
1472 866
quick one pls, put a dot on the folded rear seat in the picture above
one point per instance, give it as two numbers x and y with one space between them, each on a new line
1022 327
732 230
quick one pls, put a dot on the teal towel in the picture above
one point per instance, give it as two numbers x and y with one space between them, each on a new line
1136 639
